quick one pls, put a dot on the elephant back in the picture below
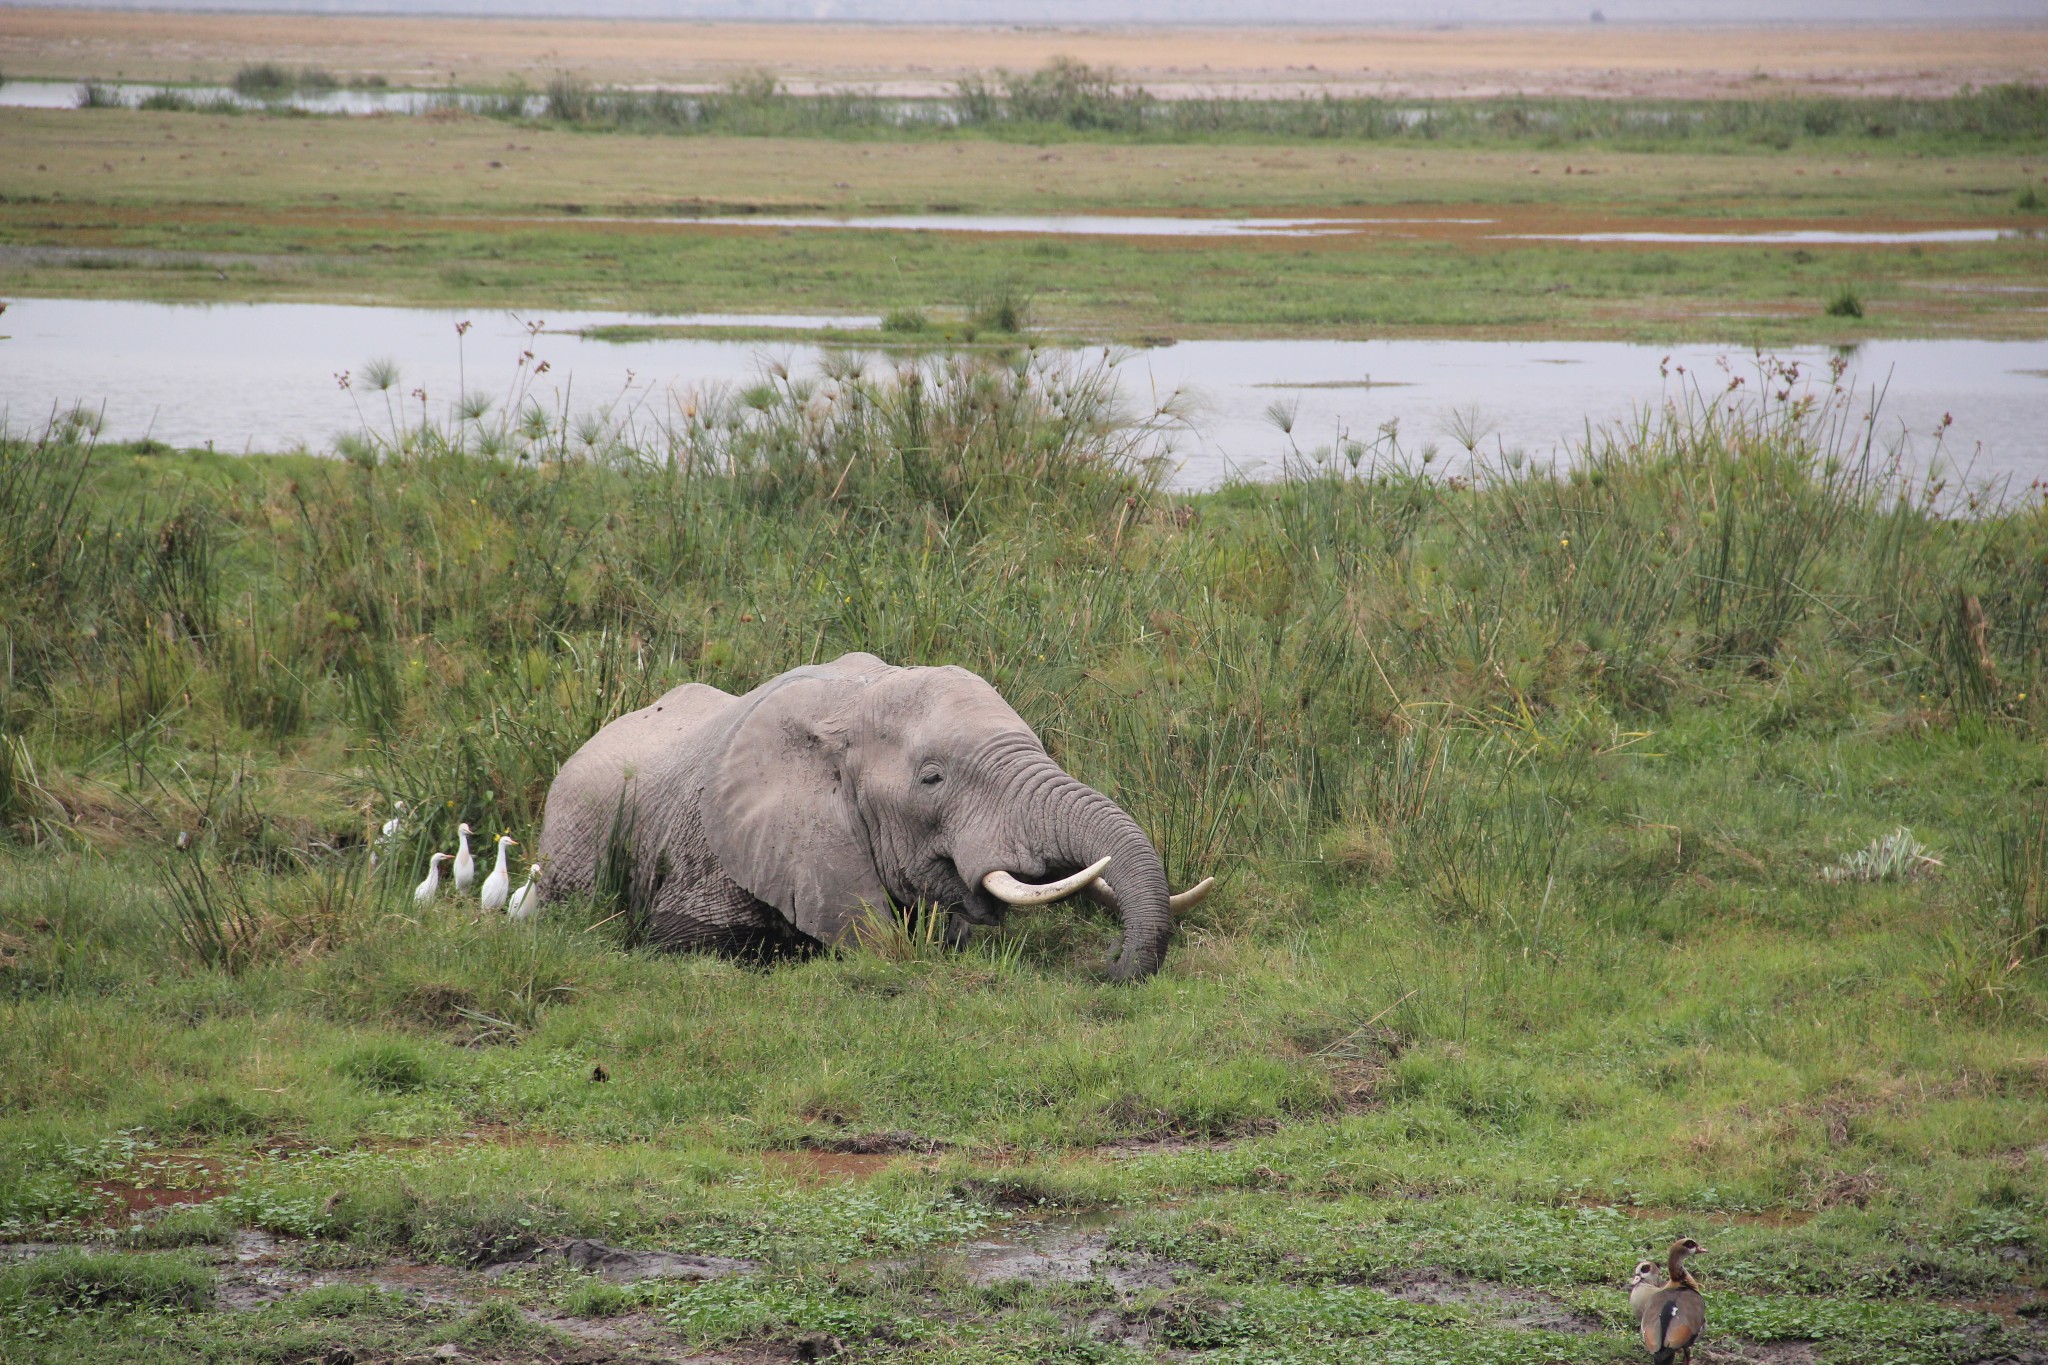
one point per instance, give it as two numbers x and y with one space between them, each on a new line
635 770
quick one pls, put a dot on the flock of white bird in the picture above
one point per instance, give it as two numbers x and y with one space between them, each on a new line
497 894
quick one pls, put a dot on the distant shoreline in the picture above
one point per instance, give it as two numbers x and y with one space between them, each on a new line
1619 59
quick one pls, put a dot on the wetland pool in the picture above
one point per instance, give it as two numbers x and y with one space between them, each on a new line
267 377
37 94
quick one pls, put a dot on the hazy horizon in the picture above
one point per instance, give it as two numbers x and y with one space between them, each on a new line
1333 13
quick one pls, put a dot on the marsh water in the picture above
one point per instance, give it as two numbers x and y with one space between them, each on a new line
269 377
1785 237
1168 225
20 94
1068 224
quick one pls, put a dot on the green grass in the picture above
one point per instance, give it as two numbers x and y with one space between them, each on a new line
1530 796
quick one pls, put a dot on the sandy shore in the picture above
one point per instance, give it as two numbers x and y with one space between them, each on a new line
1600 60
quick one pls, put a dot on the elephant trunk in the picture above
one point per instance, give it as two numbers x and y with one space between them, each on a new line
1071 825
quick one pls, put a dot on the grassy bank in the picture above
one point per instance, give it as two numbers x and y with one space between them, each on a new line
1567 905
1066 100
469 213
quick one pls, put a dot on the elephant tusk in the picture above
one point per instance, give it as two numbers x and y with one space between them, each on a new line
1104 895
1008 889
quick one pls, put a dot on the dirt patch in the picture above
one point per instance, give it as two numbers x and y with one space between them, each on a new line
1522 1309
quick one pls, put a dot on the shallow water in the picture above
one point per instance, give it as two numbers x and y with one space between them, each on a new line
1788 237
266 377
1069 224
17 94
1169 225
787 322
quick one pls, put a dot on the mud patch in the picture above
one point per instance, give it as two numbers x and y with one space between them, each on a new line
1765 1353
623 1266
2028 1312
126 1202
889 1142
1507 1306
256 1272
821 1168
1063 1254
1170 1144
28 1251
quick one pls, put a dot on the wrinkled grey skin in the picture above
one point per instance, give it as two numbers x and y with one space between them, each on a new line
823 795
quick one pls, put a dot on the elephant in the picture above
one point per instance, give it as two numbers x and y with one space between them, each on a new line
793 816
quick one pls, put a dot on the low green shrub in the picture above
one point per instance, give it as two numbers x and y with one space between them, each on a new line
387 1068
66 1282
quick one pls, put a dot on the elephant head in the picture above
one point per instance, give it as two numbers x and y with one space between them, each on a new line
837 789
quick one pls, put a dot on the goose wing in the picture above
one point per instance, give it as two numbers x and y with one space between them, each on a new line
1673 1320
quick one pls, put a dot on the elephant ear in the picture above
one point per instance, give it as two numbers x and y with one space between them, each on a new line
779 808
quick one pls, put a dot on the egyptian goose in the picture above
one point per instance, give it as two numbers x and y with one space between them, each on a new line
1641 1286
1674 1316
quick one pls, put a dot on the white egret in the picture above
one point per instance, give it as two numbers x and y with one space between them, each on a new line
523 905
387 832
465 862
499 883
431 887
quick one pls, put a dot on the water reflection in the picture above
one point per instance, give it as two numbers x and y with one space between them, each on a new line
265 377
1786 237
19 94
1069 224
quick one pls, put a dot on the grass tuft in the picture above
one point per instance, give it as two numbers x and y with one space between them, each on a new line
1845 303
387 1068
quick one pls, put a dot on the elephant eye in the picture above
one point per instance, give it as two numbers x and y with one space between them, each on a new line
930 775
